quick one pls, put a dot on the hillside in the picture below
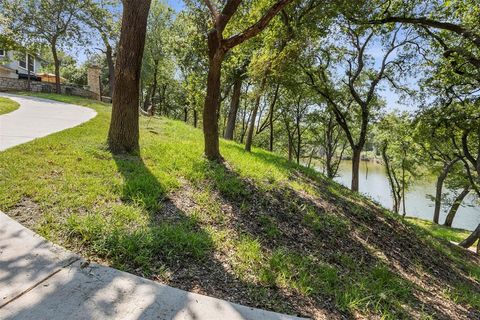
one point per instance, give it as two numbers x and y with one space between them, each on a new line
256 230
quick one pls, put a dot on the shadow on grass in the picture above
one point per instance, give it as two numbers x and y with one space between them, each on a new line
173 245
353 253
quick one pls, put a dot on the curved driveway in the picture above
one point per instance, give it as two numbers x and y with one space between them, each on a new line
37 118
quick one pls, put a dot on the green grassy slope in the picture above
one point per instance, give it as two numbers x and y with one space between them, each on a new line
7 105
256 230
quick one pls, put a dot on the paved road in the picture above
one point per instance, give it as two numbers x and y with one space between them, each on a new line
39 280
38 118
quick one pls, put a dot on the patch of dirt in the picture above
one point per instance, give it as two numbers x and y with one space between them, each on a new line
27 212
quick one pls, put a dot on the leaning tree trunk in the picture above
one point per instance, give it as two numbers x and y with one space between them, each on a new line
212 98
235 102
456 204
251 127
474 236
438 189
124 132
355 169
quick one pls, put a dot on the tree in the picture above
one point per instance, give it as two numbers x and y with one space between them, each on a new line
470 240
98 15
124 132
29 23
433 134
353 99
452 28
330 138
218 46
396 145
234 105
157 67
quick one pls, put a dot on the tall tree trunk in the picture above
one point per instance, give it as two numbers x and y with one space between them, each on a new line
439 187
185 114
403 185
355 168
234 103
146 102
195 118
270 118
470 240
154 86
56 63
456 204
299 140
111 68
124 132
251 127
270 124
212 99
290 149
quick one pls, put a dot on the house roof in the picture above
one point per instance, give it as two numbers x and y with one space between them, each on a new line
46 74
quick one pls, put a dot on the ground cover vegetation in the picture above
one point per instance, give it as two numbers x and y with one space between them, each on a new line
310 82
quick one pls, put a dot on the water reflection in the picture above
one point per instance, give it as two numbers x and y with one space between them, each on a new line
374 183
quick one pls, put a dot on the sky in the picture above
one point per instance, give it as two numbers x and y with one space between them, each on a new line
176 5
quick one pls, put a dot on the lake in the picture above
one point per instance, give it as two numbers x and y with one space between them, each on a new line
374 183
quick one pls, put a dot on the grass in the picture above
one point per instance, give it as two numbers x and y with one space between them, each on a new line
7 105
257 230
440 231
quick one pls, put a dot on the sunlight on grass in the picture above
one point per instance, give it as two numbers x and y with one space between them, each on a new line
7 105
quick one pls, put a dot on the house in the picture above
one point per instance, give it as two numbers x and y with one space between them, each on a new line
15 65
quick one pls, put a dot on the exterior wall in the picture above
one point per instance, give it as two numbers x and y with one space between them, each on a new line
8 84
11 61
93 80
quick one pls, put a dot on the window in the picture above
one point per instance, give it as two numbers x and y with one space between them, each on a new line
2 53
29 60
31 63
22 62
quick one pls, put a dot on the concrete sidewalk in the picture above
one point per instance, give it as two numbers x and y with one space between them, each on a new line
39 280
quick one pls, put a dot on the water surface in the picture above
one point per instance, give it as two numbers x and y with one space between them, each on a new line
374 183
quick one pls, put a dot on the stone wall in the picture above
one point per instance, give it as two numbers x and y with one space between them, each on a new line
93 79
7 84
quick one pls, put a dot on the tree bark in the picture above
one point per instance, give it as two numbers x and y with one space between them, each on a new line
56 63
195 118
124 130
299 139
212 99
234 103
251 128
439 187
111 68
470 240
355 169
456 204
